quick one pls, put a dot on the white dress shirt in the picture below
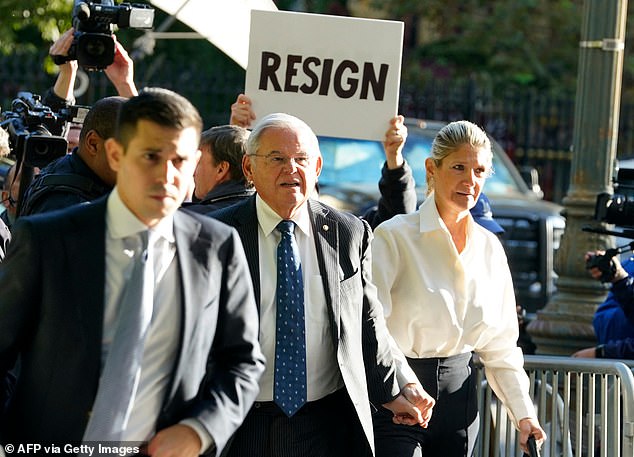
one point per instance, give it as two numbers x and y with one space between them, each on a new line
440 303
163 340
322 373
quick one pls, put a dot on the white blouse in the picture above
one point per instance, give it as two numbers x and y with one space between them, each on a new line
440 303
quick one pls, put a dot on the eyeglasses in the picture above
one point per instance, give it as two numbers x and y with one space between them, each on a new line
278 160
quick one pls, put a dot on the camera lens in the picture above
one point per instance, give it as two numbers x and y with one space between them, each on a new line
95 48
40 149
95 51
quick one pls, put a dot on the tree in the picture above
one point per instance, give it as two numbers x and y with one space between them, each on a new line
519 42
30 25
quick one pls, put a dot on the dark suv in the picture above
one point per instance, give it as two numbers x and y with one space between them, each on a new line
533 227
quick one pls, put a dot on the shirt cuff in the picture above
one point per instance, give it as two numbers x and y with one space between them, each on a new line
207 441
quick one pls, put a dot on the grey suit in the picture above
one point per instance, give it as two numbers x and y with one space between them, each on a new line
51 315
357 325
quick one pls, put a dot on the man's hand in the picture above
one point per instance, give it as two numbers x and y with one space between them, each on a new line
412 406
65 81
175 441
529 427
241 112
588 353
121 71
597 273
394 141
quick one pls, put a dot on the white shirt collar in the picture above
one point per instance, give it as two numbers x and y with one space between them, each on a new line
121 222
430 219
268 219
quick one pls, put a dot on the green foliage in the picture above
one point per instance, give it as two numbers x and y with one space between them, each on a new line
31 25
520 42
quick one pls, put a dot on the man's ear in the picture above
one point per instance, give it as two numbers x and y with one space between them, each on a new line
318 165
114 153
247 168
91 143
223 170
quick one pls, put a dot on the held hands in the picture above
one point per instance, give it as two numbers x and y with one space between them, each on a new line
413 406
242 113
528 427
394 141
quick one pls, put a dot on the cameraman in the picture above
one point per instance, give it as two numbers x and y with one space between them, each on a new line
120 73
83 175
614 318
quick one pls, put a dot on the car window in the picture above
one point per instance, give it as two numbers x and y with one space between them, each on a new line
347 161
350 161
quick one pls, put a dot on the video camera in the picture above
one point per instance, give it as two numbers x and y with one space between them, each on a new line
617 209
35 131
93 45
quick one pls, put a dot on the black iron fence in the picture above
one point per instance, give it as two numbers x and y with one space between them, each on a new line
534 127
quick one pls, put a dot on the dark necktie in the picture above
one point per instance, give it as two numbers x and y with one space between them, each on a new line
289 391
121 372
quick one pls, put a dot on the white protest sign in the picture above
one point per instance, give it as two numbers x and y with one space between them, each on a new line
340 75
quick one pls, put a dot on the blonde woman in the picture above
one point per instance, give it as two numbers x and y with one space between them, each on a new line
447 293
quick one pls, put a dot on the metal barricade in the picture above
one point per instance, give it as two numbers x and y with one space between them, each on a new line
586 407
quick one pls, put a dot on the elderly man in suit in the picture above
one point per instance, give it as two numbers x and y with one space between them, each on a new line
173 364
317 401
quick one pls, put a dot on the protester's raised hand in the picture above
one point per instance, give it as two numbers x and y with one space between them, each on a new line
242 114
394 141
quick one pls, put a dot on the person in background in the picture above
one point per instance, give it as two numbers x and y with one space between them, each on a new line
346 359
613 320
397 185
219 180
482 214
154 343
120 73
84 174
447 293
10 195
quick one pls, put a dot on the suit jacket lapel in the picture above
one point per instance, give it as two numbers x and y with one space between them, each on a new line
326 232
193 268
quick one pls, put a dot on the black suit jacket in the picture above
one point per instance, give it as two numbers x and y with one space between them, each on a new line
51 315
363 344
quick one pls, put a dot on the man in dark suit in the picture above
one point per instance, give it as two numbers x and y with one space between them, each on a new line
61 307
351 363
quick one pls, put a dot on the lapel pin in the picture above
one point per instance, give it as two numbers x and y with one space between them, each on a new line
325 227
